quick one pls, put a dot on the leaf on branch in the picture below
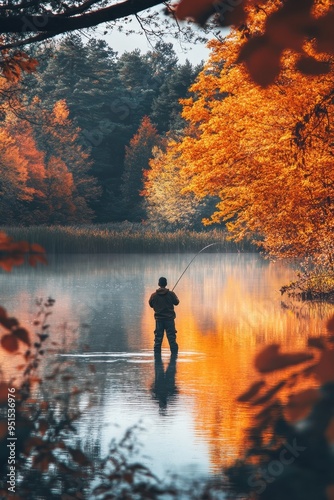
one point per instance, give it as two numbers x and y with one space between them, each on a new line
3 392
325 367
269 394
330 431
270 359
13 65
9 343
301 404
22 334
251 392
7 263
310 66
330 325
8 323
79 457
325 38
198 11
262 60
316 342
35 247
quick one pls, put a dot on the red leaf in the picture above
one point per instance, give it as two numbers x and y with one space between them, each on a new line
330 324
35 247
8 322
79 457
269 394
3 312
316 342
288 26
3 392
226 14
310 66
262 59
199 11
325 39
270 359
300 404
252 391
22 334
9 342
7 263
325 368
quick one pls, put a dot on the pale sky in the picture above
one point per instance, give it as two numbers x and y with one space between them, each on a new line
123 43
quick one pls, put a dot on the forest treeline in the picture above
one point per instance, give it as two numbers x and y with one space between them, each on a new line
102 138
78 133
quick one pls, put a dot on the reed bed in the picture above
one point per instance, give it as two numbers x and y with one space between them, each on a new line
123 238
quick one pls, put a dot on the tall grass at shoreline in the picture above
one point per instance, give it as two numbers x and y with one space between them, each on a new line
123 238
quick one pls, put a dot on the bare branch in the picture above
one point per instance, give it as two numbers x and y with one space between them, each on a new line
64 22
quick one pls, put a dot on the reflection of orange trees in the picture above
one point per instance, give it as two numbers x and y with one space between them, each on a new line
297 412
225 318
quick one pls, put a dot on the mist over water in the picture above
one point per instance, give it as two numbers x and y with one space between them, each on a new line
230 307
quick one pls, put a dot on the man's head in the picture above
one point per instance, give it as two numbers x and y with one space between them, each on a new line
162 282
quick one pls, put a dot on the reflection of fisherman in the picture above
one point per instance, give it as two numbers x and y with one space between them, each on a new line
163 302
164 388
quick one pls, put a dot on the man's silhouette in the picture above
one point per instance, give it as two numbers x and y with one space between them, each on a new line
163 302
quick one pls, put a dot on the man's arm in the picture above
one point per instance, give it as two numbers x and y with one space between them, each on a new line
175 299
150 301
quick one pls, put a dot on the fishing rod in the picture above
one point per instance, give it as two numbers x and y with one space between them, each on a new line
207 246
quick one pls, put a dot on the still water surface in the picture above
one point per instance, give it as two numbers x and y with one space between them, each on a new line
230 306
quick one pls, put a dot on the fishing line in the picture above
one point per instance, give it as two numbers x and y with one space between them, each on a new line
207 246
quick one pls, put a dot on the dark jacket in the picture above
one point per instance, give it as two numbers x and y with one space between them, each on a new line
163 302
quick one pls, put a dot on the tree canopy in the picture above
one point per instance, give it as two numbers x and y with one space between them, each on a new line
266 153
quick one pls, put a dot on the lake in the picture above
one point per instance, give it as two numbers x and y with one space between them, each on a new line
230 307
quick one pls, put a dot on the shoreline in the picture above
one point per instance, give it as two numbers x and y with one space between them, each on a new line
124 238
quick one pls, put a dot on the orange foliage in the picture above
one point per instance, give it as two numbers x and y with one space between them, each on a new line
281 26
22 133
13 65
60 186
146 135
266 153
61 112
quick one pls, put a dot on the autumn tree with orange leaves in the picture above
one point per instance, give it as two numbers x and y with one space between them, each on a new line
167 204
266 153
44 170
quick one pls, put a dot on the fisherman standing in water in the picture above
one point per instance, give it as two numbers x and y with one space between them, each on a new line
163 302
